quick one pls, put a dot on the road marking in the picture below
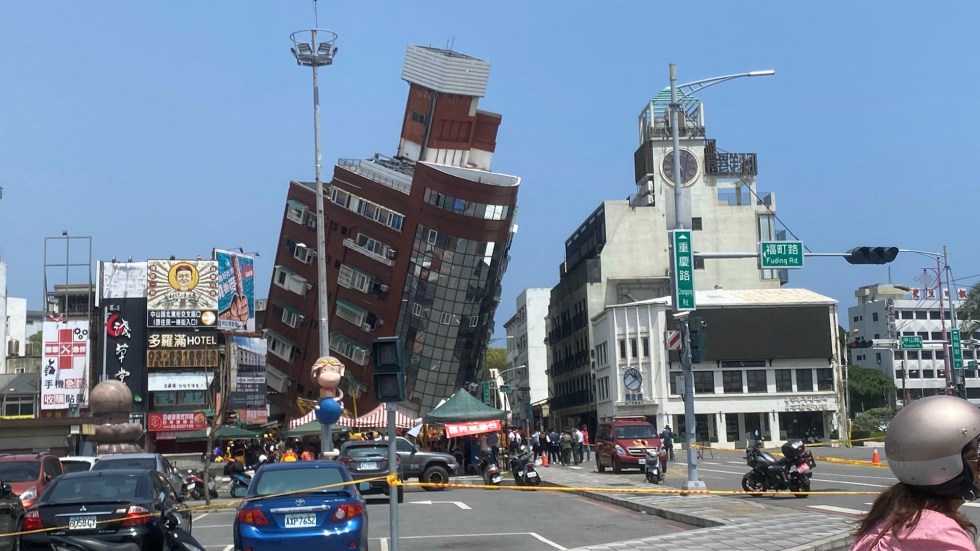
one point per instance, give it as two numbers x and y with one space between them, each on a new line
384 544
835 509
228 548
200 517
547 541
459 504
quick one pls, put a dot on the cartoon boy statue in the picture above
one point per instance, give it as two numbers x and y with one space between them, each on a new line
326 373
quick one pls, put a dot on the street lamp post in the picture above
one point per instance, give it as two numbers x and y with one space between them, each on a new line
693 481
942 265
315 48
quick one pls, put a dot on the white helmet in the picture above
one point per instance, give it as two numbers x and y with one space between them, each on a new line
925 442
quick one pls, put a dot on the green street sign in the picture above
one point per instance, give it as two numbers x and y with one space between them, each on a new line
957 348
506 389
682 270
780 254
911 342
486 392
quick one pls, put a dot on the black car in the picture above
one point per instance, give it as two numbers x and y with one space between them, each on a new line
124 506
11 515
368 460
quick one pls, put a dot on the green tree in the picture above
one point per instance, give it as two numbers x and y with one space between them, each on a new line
969 312
874 420
869 388
496 359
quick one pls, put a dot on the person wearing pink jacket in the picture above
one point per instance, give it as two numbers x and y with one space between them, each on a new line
932 448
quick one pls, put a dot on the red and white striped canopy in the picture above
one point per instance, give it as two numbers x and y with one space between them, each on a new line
376 418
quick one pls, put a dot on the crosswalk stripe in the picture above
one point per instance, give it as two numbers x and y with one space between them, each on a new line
835 509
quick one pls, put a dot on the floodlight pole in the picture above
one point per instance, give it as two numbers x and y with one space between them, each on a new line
314 52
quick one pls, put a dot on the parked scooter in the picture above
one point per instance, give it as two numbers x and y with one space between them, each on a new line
655 465
194 485
239 478
490 471
522 467
791 472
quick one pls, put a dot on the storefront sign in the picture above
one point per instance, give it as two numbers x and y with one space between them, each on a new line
124 345
182 340
177 421
182 293
181 358
473 427
806 403
64 365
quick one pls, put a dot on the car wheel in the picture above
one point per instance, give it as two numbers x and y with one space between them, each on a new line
436 474
598 464
617 468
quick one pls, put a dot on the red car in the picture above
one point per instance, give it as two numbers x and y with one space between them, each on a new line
29 474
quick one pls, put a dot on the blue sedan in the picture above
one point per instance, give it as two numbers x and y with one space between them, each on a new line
302 505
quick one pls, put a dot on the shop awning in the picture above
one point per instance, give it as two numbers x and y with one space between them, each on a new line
224 432
162 381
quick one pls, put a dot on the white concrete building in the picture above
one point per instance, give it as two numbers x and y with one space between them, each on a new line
772 363
4 327
525 347
886 313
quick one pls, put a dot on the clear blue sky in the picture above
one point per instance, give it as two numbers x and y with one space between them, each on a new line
162 128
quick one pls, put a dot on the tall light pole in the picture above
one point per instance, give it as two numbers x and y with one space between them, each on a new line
315 48
693 481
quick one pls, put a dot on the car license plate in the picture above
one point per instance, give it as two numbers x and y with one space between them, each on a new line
642 461
802 467
368 465
496 479
305 520
81 523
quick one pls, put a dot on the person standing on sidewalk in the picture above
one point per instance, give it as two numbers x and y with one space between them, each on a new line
667 439
585 443
577 446
554 449
932 448
536 444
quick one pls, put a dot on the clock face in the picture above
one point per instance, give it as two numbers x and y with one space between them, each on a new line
632 379
689 167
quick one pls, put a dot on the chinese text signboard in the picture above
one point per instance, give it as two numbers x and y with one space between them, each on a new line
64 364
780 254
181 358
473 427
125 343
248 373
177 421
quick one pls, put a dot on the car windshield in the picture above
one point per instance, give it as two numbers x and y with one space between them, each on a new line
125 463
92 489
358 452
19 471
636 431
70 466
290 481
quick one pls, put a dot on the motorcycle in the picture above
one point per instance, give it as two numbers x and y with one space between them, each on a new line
791 472
654 465
194 485
177 539
490 471
522 467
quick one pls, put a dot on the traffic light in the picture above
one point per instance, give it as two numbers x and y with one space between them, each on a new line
389 369
696 331
871 255
860 342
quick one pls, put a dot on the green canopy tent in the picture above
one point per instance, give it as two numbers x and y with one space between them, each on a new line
224 432
462 407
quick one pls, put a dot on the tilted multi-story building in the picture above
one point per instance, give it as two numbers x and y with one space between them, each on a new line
416 243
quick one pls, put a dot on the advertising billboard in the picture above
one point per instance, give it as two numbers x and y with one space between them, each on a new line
182 349
236 290
121 280
64 364
248 373
124 345
181 293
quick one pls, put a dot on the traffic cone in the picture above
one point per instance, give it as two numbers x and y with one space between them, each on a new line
875 460
544 460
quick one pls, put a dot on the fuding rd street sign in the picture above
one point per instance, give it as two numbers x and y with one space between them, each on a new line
780 254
